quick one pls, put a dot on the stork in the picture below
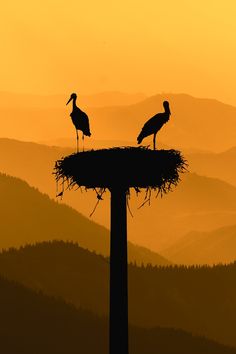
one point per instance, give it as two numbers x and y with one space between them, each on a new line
154 124
80 120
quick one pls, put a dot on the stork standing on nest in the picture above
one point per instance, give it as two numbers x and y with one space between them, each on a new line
80 120
154 124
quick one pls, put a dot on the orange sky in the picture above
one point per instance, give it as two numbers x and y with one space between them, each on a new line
58 46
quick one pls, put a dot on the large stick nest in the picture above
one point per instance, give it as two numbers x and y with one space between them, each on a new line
126 167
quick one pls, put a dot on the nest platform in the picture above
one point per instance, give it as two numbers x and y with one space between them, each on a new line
126 167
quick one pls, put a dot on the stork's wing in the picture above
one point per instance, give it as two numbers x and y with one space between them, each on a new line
85 124
153 125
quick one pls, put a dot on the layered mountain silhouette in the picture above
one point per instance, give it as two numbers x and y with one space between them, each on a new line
217 246
28 216
198 300
90 144
201 300
218 165
35 323
195 122
199 203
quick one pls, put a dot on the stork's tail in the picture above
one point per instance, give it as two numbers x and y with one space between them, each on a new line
140 138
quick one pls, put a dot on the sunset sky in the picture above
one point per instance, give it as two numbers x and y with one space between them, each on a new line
58 46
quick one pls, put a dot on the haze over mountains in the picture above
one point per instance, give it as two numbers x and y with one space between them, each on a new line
195 224
218 165
195 122
198 203
212 247
29 216
54 294
36 117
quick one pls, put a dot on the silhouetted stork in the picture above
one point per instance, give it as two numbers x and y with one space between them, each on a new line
79 119
154 124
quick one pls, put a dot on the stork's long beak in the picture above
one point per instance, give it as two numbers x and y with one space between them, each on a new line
69 100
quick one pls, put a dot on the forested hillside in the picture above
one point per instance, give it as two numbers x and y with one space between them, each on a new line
35 323
178 297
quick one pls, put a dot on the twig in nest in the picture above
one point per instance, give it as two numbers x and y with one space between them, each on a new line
129 207
146 201
94 208
147 198
99 197
60 194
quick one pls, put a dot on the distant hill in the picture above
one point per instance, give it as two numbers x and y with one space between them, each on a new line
90 143
28 216
219 165
110 98
45 117
35 323
200 123
194 122
217 246
201 300
198 203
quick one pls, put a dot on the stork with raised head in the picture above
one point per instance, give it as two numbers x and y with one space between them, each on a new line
154 124
79 119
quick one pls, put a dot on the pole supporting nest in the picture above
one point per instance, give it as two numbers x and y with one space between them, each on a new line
118 170
118 273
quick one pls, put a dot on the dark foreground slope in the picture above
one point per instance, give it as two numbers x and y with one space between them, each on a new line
201 300
29 216
34 323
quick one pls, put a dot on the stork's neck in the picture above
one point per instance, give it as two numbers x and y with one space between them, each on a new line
74 103
167 111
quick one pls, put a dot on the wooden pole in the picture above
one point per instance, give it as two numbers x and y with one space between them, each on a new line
118 273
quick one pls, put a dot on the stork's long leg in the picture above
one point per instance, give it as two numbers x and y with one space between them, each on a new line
154 141
77 141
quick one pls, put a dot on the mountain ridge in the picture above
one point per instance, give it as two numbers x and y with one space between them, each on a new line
39 218
216 246
217 165
195 122
179 212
